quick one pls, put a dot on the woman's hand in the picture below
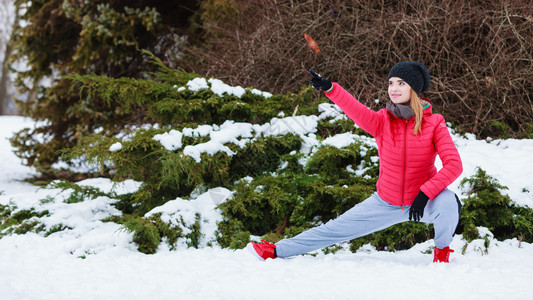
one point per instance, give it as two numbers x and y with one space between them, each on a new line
318 82
416 212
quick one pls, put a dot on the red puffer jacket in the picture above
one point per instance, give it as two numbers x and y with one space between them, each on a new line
407 161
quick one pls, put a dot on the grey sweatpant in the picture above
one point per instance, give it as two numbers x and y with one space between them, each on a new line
371 215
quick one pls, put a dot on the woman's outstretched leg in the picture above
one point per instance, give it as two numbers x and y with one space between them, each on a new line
371 215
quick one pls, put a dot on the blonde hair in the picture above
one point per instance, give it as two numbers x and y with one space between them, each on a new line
416 105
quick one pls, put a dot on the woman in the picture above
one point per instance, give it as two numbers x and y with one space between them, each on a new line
409 137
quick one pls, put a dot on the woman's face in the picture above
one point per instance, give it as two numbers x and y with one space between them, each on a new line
399 90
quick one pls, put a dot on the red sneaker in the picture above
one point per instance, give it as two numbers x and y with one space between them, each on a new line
262 250
442 255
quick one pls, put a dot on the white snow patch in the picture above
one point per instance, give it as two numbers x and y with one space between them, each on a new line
115 147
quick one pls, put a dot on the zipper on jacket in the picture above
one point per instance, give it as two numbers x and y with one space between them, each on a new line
404 162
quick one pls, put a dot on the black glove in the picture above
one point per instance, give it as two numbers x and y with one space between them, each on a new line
318 82
416 212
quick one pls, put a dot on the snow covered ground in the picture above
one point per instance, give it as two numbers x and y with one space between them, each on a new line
97 260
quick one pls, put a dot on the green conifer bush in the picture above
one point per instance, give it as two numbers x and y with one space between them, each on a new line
398 237
88 37
145 234
486 206
288 190
285 203
76 193
19 221
285 181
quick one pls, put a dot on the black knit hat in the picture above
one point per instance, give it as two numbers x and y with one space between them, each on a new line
412 72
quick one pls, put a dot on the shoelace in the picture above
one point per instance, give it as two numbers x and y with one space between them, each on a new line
269 243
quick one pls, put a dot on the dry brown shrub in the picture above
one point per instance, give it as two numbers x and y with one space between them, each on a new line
479 53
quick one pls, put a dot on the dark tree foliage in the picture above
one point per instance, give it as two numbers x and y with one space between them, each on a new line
87 37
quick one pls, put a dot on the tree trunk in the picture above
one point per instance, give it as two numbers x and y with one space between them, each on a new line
6 100
4 95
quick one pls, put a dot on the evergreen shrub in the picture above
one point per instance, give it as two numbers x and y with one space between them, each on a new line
398 237
145 234
149 232
88 37
19 221
76 193
486 206
287 202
